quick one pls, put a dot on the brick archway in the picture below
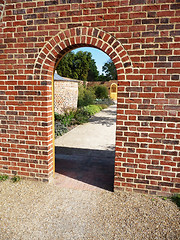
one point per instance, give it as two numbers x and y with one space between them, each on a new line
57 47
35 34
73 38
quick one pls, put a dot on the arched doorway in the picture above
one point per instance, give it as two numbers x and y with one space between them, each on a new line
52 53
113 91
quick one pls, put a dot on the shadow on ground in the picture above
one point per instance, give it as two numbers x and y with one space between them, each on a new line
108 121
94 167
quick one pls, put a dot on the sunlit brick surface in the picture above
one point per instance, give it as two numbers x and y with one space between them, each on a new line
142 39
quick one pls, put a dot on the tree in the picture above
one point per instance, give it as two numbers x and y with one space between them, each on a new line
78 65
81 64
65 67
110 70
102 78
93 73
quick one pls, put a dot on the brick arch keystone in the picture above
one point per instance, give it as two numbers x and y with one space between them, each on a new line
70 39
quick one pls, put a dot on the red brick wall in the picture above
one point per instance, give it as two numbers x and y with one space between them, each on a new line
107 84
142 39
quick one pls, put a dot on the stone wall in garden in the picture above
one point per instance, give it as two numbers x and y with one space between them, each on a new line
65 96
141 37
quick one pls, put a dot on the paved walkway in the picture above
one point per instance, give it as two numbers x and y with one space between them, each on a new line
85 155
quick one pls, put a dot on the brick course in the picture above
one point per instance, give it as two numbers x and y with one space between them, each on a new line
142 39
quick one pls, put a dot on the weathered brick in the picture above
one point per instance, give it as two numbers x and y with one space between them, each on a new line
150 34
164 27
137 2
141 37
150 21
145 118
19 11
40 9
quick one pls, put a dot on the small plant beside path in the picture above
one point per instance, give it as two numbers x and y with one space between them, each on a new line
174 198
67 120
14 179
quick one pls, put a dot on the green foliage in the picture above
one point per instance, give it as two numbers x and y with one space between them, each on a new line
83 114
110 71
3 177
66 66
78 65
92 109
60 129
15 179
57 116
86 96
65 118
176 199
101 91
102 78
62 122
80 116
103 106
81 66
89 96
93 73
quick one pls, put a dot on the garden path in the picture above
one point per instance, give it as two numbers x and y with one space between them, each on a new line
85 155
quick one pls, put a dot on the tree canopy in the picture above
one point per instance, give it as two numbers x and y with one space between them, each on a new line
110 70
82 66
79 66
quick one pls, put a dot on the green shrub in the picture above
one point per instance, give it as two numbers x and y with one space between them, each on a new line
101 91
86 96
89 96
81 116
65 118
103 106
80 95
92 109
63 121
57 116
60 129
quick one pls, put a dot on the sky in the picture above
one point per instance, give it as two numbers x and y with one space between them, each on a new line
99 56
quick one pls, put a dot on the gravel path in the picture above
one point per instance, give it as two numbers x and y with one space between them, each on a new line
35 210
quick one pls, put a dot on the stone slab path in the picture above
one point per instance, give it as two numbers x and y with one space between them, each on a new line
85 155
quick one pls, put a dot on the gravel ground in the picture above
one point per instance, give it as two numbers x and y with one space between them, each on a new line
35 210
